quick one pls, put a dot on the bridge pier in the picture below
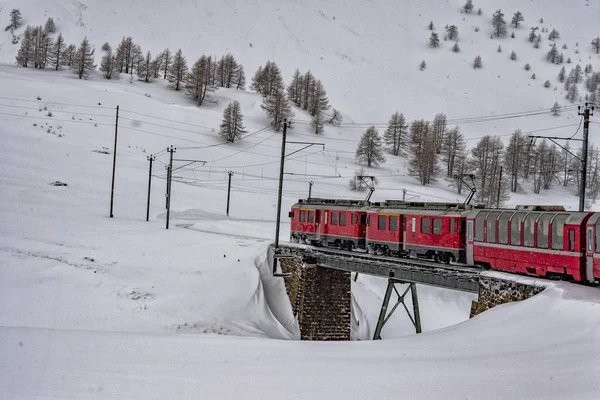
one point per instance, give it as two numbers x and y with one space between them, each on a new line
383 318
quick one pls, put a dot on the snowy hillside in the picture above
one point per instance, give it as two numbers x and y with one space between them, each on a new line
99 307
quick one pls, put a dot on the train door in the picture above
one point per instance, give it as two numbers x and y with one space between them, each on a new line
403 230
589 252
470 258
318 224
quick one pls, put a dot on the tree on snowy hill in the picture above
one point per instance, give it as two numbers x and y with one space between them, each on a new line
555 109
336 118
434 40
468 7
554 35
25 53
157 65
439 126
422 154
517 18
317 122
477 63
455 47
430 26
553 55
57 53
199 82
294 89
308 82
596 44
369 150
318 99
499 23
240 78
452 32
166 62
277 106
49 26
453 152
485 162
108 66
15 20
395 136
83 63
177 71
36 48
145 71
266 79
232 126
532 34
515 158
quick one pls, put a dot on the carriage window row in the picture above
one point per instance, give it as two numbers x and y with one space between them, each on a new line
311 216
525 223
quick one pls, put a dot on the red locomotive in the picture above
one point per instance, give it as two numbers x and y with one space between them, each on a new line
544 241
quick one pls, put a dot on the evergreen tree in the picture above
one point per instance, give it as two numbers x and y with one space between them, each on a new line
423 65
453 151
108 66
319 101
547 84
477 63
145 71
554 35
532 34
452 32
395 135
572 93
49 26
58 51
553 55
317 122
499 23
294 89
232 126
177 71
430 26
517 17
157 65
25 54
240 78
434 40
562 74
370 150
422 154
439 125
455 48
468 7
513 56
15 20
277 106
596 44
166 63
70 55
308 81
83 63
199 82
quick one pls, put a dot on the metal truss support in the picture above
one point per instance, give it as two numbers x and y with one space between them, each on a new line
383 318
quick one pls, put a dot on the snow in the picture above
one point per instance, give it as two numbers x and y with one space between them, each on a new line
99 307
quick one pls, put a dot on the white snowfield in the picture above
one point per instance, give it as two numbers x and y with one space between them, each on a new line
120 308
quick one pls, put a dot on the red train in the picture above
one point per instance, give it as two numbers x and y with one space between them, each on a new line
545 241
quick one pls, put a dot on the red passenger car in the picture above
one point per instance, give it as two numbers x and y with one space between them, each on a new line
592 251
539 240
338 223
434 230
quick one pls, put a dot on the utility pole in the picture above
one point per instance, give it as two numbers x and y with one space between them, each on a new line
403 194
285 125
228 190
150 158
310 189
499 189
167 188
586 125
112 190
170 173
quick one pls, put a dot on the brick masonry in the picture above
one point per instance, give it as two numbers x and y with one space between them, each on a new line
320 299
495 291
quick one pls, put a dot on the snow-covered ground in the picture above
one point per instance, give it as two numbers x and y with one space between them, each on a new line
99 307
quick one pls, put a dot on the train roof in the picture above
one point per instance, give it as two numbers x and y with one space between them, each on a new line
575 217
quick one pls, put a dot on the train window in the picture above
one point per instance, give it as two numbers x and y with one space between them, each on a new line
590 238
369 220
393 223
470 230
528 226
437 226
515 228
451 226
479 226
311 216
363 219
414 225
503 227
571 239
491 227
342 219
302 215
381 222
558 231
425 222
334 218
542 230
463 223
354 219
325 217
